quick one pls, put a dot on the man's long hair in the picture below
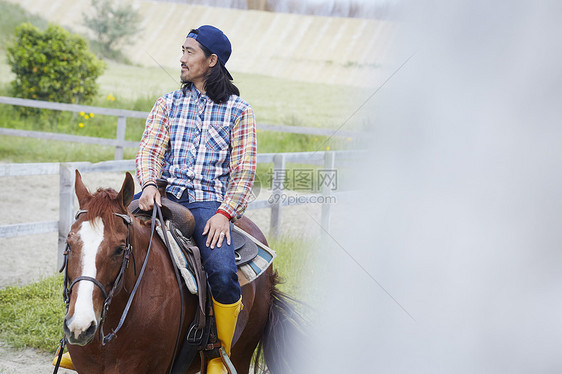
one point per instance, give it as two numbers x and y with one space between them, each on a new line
217 85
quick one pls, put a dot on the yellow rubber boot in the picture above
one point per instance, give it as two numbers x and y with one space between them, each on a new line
226 317
65 362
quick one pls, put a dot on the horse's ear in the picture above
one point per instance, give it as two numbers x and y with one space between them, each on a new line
82 192
127 190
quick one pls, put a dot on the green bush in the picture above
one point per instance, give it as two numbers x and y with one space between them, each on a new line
52 65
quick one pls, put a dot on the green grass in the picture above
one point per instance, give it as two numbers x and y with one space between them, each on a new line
31 316
20 150
127 83
282 101
293 257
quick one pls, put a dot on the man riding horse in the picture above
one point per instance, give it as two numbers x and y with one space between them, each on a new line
202 140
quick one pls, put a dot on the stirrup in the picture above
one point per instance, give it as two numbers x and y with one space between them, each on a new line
217 352
226 361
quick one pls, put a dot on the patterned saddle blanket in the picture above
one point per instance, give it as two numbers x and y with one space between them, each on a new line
252 257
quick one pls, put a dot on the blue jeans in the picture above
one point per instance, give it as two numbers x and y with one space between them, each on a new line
219 263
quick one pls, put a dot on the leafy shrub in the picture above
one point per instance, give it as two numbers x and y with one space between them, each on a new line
52 65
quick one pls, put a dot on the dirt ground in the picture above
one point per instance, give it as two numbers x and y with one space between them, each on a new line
30 361
27 259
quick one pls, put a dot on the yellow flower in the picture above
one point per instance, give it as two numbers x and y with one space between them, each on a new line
110 97
86 116
91 115
80 124
348 139
257 130
315 139
328 148
82 114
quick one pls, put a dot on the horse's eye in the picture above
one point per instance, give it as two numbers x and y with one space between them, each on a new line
119 250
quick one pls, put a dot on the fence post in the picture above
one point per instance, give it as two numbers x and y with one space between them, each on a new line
278 187
66 207
121 129
329 163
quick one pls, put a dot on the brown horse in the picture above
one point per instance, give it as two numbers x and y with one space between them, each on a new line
106 250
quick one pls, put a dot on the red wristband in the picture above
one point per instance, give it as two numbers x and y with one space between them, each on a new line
220 211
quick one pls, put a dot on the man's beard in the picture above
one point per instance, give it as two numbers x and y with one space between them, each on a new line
183 80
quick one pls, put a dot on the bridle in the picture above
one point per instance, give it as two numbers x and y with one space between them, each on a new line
108 297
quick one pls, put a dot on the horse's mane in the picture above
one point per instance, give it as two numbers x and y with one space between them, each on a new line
103 204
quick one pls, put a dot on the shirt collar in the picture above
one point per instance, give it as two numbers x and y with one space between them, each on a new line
196 94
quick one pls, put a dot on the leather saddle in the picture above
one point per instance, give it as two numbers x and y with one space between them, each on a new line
244 248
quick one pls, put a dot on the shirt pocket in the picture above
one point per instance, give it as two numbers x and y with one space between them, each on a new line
218 137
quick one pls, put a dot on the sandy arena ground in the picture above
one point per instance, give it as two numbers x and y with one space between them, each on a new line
29 258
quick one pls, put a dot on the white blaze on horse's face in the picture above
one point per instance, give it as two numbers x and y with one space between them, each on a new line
91 236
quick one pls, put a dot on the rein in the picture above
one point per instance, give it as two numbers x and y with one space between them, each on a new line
107 338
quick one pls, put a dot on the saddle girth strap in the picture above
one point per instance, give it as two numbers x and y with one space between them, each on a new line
194 257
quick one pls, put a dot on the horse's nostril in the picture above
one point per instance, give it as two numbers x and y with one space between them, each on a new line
91 330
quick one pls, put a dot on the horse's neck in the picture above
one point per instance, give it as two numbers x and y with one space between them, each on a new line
140 241
158 258
159 277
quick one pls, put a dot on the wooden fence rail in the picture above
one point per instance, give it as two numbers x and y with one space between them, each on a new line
122 114
327 160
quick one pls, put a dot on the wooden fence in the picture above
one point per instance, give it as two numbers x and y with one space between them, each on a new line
326 160
119 142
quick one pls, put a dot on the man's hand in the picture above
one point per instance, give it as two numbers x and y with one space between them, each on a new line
217 228
150 195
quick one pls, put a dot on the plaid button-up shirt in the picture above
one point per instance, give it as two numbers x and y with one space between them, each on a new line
207 148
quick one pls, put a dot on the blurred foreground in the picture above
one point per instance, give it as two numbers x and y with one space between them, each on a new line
453 264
